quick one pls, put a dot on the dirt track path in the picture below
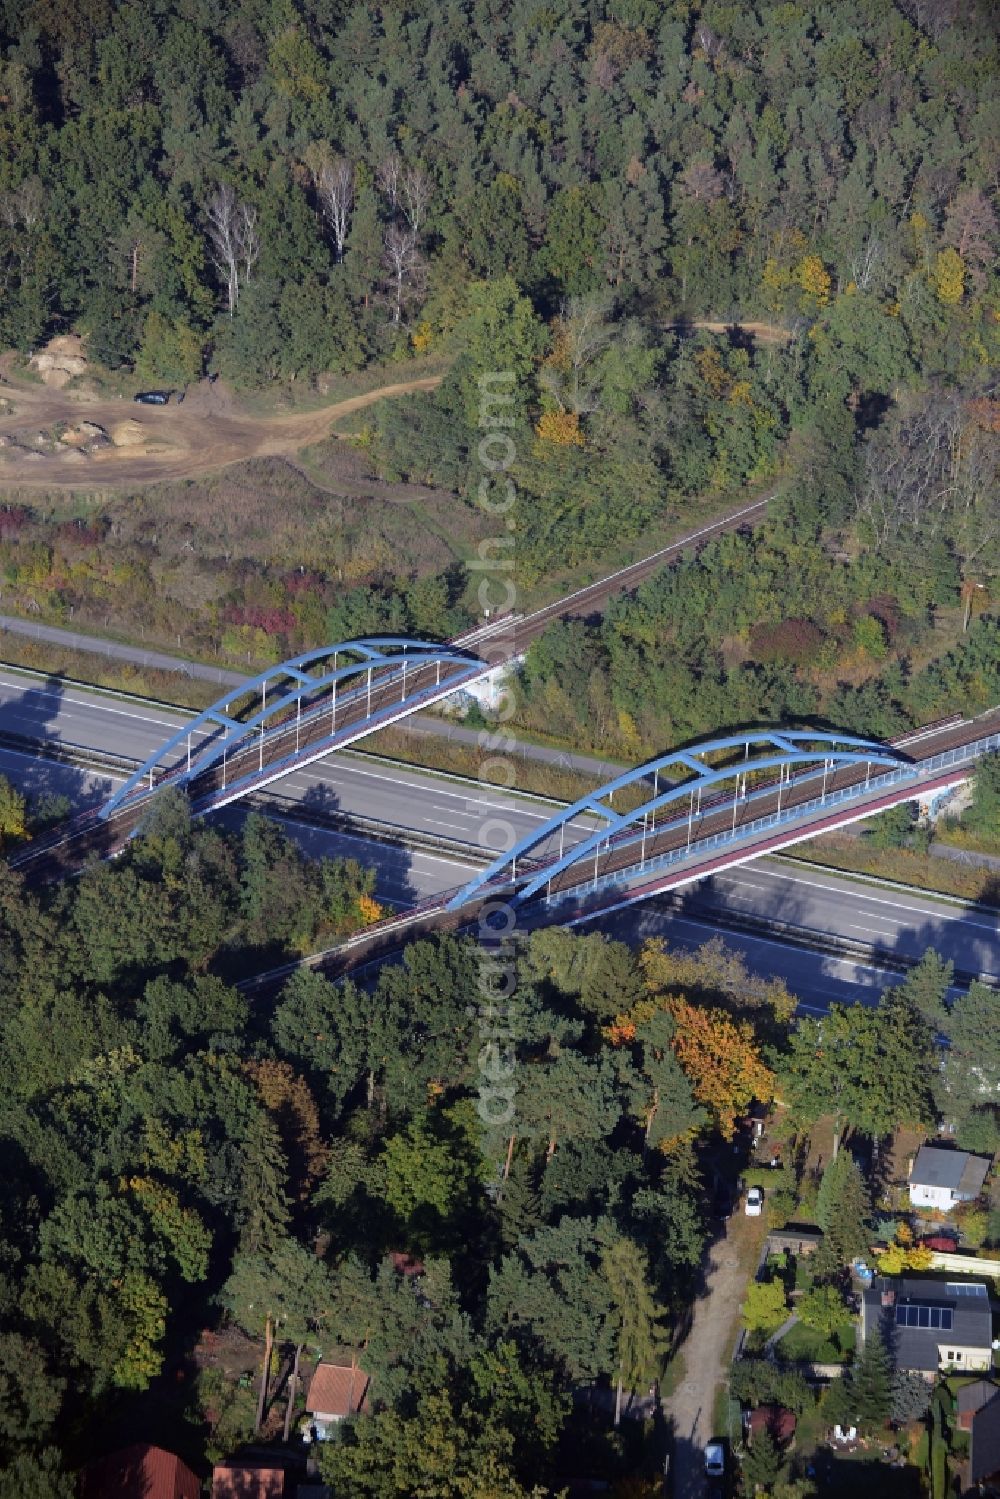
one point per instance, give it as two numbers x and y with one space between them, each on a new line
765 333
707 1351
205 433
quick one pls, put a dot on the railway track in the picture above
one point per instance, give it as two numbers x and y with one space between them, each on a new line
504 638
388 938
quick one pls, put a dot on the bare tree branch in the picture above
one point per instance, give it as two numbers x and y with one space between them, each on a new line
388 178
415 195
402 262
222 213
335 186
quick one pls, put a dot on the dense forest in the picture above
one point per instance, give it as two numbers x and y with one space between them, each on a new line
287 181
768 627
277 190
721 250
181 1155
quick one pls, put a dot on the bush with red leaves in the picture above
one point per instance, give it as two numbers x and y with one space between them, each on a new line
78 533
795 640
13 519
885 609
271 620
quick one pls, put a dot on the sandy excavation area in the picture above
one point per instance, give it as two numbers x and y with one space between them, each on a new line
52 436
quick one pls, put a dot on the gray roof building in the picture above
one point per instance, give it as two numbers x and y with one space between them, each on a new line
955 1171
931 1324
971 1398
984 1446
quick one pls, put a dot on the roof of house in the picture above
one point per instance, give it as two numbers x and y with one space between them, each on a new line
922 1314
954 1170
337 1390
984 1443
139 1472
406 1264
940 1242
247 1481
972 1397
774 1419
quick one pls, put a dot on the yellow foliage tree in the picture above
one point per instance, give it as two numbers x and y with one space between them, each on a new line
369 909
710 970
721 1060
775 280
628 729
561 427
11 812
900 1257
422 337
949 277
814 279
287 1098
713 373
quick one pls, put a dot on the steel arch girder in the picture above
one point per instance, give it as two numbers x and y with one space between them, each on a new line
866 752
371 650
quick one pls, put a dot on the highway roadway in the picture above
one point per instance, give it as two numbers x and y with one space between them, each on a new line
408 801
418 802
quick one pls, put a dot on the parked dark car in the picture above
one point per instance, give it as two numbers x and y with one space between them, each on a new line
152 397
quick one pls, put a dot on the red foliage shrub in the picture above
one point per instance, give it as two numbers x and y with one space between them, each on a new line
271 621
13 518
795 640
885 609
301 582
78 533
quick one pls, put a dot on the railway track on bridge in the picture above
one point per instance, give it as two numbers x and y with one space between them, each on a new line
387 939
504 639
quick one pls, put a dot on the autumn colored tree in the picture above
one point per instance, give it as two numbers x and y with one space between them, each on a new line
721 1059
291 1105
712 971
12 813
949 277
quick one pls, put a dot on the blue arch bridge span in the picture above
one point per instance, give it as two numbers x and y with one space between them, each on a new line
295 713
679 818
666 823
717 797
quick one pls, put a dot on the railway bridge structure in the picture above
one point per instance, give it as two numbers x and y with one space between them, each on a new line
671 821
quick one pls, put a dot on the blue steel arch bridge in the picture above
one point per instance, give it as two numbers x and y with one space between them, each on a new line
295 713
719 795
665 823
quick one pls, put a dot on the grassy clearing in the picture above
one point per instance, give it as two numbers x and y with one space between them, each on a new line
801 1342
101 671
906 866
956 836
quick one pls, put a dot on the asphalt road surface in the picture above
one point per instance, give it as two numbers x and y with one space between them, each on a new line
412 801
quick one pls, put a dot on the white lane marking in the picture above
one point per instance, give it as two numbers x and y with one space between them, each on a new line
333 834
930 911
45 764
733 879
67 700
474 800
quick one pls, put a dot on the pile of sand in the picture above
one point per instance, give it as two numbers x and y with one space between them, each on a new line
128 434
84 435
60 360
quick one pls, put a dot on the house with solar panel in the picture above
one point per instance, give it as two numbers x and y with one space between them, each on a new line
931 1325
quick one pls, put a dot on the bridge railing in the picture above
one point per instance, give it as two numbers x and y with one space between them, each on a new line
961 755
